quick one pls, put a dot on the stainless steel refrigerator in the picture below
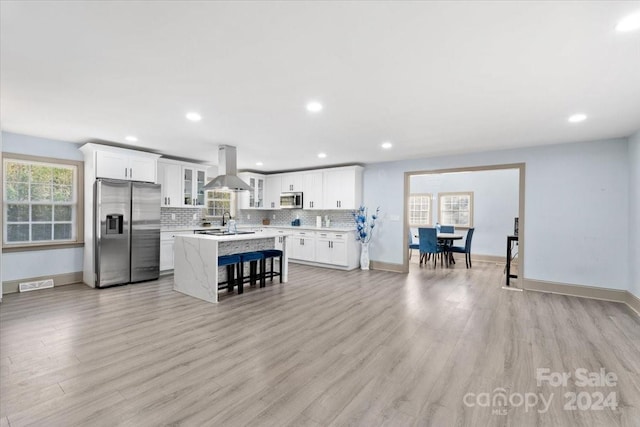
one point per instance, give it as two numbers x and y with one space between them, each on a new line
127 232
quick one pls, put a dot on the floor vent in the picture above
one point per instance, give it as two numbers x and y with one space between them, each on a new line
34 286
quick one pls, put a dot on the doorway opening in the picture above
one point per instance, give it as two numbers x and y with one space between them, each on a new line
489 199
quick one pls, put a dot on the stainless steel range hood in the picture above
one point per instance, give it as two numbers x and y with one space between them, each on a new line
228 169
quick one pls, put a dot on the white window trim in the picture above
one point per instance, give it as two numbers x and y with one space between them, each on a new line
232 203
459 193
429 216
78 209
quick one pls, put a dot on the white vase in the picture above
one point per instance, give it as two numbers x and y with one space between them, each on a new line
364 257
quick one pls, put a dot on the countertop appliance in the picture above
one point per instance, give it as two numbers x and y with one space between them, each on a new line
127 232
291 200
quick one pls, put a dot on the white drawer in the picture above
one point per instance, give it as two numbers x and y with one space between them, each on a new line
331 235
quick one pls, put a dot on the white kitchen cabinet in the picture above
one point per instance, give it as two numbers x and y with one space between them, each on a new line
167 240
193 179
303 246
126 164
291 182
166 254
331 248
252 199
343 188
143 168
112 165
273 184
312 186
279 244
170 177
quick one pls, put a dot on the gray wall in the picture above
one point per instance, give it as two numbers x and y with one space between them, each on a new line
573 194
21 265
634 214
495 203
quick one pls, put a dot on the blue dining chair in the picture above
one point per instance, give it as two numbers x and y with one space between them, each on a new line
429 244
466 250
446 243
447 229
412 245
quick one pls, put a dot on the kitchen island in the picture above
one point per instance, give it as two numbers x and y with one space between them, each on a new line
196 272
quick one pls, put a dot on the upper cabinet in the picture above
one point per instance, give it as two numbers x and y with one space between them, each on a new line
273 185
120 163
124 165
170 177
291 182
252 199
312 189
182 182
322 189
193 180
342 188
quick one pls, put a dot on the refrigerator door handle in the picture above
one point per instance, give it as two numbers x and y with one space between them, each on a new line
97 232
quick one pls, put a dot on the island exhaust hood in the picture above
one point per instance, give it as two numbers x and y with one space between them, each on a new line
228 169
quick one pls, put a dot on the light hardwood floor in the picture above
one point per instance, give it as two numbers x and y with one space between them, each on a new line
329 348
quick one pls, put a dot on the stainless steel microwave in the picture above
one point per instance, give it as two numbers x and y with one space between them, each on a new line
291 201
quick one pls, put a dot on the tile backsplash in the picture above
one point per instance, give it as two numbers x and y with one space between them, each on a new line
339 218
185 217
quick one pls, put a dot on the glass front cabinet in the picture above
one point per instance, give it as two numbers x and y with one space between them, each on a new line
252 199
193 180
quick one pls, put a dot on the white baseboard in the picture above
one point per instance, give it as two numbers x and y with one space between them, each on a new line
11 286
387 266
592 292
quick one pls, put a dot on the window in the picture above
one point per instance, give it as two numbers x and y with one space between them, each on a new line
456 209
218 202
419 210
41 201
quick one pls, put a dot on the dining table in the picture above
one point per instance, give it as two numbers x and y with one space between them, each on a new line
447 240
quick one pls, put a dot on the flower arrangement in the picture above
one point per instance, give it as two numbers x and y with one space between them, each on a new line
364 224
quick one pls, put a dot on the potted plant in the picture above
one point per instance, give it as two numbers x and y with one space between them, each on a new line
364 232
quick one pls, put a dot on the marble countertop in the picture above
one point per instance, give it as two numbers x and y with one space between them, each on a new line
258 227
301 227
189 228
265 234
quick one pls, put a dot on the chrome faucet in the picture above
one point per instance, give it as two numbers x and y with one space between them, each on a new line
223 218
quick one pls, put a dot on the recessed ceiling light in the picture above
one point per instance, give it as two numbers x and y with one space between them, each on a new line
259 163
577 118
386 145
131 138
322 155
629 23
314 107
194 117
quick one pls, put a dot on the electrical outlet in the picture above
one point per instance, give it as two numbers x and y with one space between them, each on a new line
394 217
195 216
248 216
173 217
274 216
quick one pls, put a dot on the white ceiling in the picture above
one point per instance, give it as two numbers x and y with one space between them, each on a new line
433 77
